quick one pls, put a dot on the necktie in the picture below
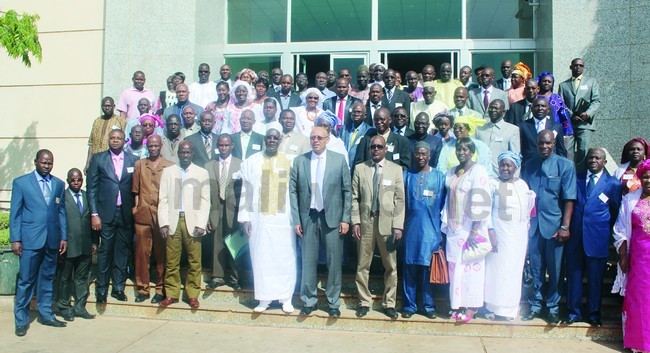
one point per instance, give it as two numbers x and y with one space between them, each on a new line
376 106
375 190
223 180
81 207
47 191
486 99
341 112
354 134
389 95
528 113
506 84
576 84
540 125
208 146
591 183
319 186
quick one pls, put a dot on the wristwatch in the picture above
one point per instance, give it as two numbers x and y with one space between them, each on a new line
564 227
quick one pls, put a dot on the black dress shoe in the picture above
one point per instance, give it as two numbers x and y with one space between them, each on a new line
157 299
54 323
553 319
85 315
216 282
119 296
407 314
307 310
431 315
67 317
595 323
570 320
21 330
100 298
391 313
139 298
335 312
235 286
531 315
362 311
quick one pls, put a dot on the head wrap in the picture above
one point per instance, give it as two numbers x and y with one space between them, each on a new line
249 96
539 78
643 167
328 116
471 122
628 145
515 157
522 70
422 144
312 90
252 74
443 114
155 119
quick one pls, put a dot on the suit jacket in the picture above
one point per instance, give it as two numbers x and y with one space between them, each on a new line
80 234
554 181
407 132
369 114
103 187
32 221
337 189
146 184
195 198
517 111
346 133
176 109
589 91
200 154
528 135
232 196
499 84
294 100
594 215
294 143
330 104
400 99
475 99
400 152
255 144
391 196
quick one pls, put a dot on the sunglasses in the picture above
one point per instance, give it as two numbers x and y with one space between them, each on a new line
376 147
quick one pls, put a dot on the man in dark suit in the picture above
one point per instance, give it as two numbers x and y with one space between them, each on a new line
529 129
37 232
594 214
247 142
286 97
73 273
375 101
394 97
110 197
204 142
571 91
401 122
333 104
398 148
225 191
523 110
504 82
553 179
320 193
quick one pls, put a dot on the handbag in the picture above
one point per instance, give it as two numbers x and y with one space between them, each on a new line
439 273
483 247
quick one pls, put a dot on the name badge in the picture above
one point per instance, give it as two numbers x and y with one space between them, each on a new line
390 148
396 156
603 197
216 151
427 193
293 148
583 87
278 170
498 139
398 105
56 200
129 170
387 182
236 176
257 147
627 176
358 141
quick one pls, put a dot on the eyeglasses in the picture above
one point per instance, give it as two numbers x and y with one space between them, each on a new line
319 138
76 180
357 112
147 124
203 71
376 147
579 65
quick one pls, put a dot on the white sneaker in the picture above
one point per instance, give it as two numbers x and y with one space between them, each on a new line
262 306
287 307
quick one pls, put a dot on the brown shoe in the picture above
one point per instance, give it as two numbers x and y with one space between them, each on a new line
194 303
167 302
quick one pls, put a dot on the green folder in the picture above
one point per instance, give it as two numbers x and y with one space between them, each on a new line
237 244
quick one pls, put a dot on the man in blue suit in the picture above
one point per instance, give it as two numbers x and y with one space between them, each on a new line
38 233
594 214
553 179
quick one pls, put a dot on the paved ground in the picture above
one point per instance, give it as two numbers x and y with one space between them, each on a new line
113 334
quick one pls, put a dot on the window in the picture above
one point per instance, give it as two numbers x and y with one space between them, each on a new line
255 63
419 19
257 21
499 19
330 20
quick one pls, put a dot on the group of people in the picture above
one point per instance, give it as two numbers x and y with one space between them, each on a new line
476 172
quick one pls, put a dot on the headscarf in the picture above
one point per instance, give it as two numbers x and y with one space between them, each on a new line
515 157
252 74
308 91
522 70
155 119
539 78
470 121
250 95
643 167
628 145
444 114
330 118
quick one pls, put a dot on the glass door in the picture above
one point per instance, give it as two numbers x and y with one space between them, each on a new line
348 61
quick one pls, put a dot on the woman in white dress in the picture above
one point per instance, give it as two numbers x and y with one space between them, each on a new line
512 202
307 113
242 96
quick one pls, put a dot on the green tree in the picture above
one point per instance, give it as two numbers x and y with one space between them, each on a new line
19 35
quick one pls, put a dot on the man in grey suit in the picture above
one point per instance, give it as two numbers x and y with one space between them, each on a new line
72 278
341 104
320 192
480 98
572 90
204 142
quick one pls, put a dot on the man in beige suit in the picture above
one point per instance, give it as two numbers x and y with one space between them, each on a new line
377 216
183 208
293 143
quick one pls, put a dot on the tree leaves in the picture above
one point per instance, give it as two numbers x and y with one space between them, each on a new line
19 35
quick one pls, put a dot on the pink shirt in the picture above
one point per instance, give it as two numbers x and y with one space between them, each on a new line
118 165
129 101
